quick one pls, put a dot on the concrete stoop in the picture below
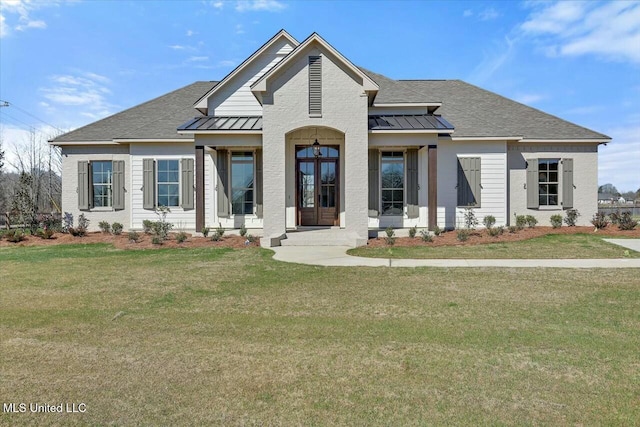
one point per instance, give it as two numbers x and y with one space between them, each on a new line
322 237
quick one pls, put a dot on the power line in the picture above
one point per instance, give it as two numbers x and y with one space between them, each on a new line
11 104
18 121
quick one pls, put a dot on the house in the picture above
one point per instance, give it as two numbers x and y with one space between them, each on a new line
299 137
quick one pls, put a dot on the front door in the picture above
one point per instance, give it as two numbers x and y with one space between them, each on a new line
317 186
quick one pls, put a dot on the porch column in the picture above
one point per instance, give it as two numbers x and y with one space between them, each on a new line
432 188
199 187
273 186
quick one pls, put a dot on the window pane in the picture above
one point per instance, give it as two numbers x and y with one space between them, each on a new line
242 183
392 180
553 176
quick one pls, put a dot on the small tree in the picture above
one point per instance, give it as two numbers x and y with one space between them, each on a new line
25 204
470 220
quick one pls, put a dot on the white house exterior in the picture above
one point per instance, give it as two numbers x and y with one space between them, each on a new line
298 137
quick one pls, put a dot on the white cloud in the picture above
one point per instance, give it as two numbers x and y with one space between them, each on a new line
32 24
190 33
218 4
177 47
22 9
226 63
530 98
467 13
259 5
198 58
239 29
618 161
493 60
489 14
608 30
83 89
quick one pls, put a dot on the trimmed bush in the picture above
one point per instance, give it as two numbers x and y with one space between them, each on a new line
104 226
496 231
513 229
390 239
157 240
205 231
412 231
181 237
626 221
243 230
147 226
521 221
116 228
571 217
556 221
463 235
426 236
599 221
15 236
47 233
531 221
134 236
489 221
437 231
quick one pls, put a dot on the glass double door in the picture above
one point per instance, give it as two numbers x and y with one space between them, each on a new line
317 189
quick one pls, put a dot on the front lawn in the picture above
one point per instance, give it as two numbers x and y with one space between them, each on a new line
551 246
227 337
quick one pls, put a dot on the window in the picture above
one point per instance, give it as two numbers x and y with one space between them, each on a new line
102 179
242 183
392 182
548 182
169 183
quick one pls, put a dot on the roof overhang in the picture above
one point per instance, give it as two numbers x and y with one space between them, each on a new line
566 141
412 131
201 104
261 85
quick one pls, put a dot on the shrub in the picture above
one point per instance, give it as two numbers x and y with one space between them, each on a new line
437 231
556 221
147 225
521 221
426 236
572 217
489 221
181 237
67 222
157 240
50 222
513 229
46 233
205 231
116 228
531 221
626 221
496 231
599 220
104 226
390 239
161 227
463 235
412 231
615 217
218 233
134 236
470 220
243 230
250 239
81 229
15 236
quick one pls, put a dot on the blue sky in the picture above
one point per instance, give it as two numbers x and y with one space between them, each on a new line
68 63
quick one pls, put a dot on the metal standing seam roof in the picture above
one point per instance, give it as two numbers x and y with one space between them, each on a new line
408 122
226 123
376 122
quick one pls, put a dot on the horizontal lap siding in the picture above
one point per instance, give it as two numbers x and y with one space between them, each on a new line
178 216
493 181
236 97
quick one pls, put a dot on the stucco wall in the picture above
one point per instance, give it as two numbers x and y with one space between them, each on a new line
71 155
585 179
344 108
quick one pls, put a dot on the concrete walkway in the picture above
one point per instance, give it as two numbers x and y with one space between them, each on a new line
336 256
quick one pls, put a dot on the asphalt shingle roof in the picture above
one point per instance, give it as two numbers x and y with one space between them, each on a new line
474 112
155 119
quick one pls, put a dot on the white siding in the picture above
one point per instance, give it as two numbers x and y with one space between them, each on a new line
585 180
236 98
71 155
180 218
493 180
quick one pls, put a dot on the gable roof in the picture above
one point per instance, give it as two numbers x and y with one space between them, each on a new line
201 103
155 119
260 85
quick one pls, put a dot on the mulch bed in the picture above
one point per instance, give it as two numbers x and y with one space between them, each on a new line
448 238
480 237
122 241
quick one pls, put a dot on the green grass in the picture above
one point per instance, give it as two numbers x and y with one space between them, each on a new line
549 246
224 337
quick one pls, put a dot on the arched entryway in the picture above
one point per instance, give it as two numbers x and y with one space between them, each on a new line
317 179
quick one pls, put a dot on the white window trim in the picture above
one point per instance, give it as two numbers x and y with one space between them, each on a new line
253 214
404 181
557 207
100 208
179 183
